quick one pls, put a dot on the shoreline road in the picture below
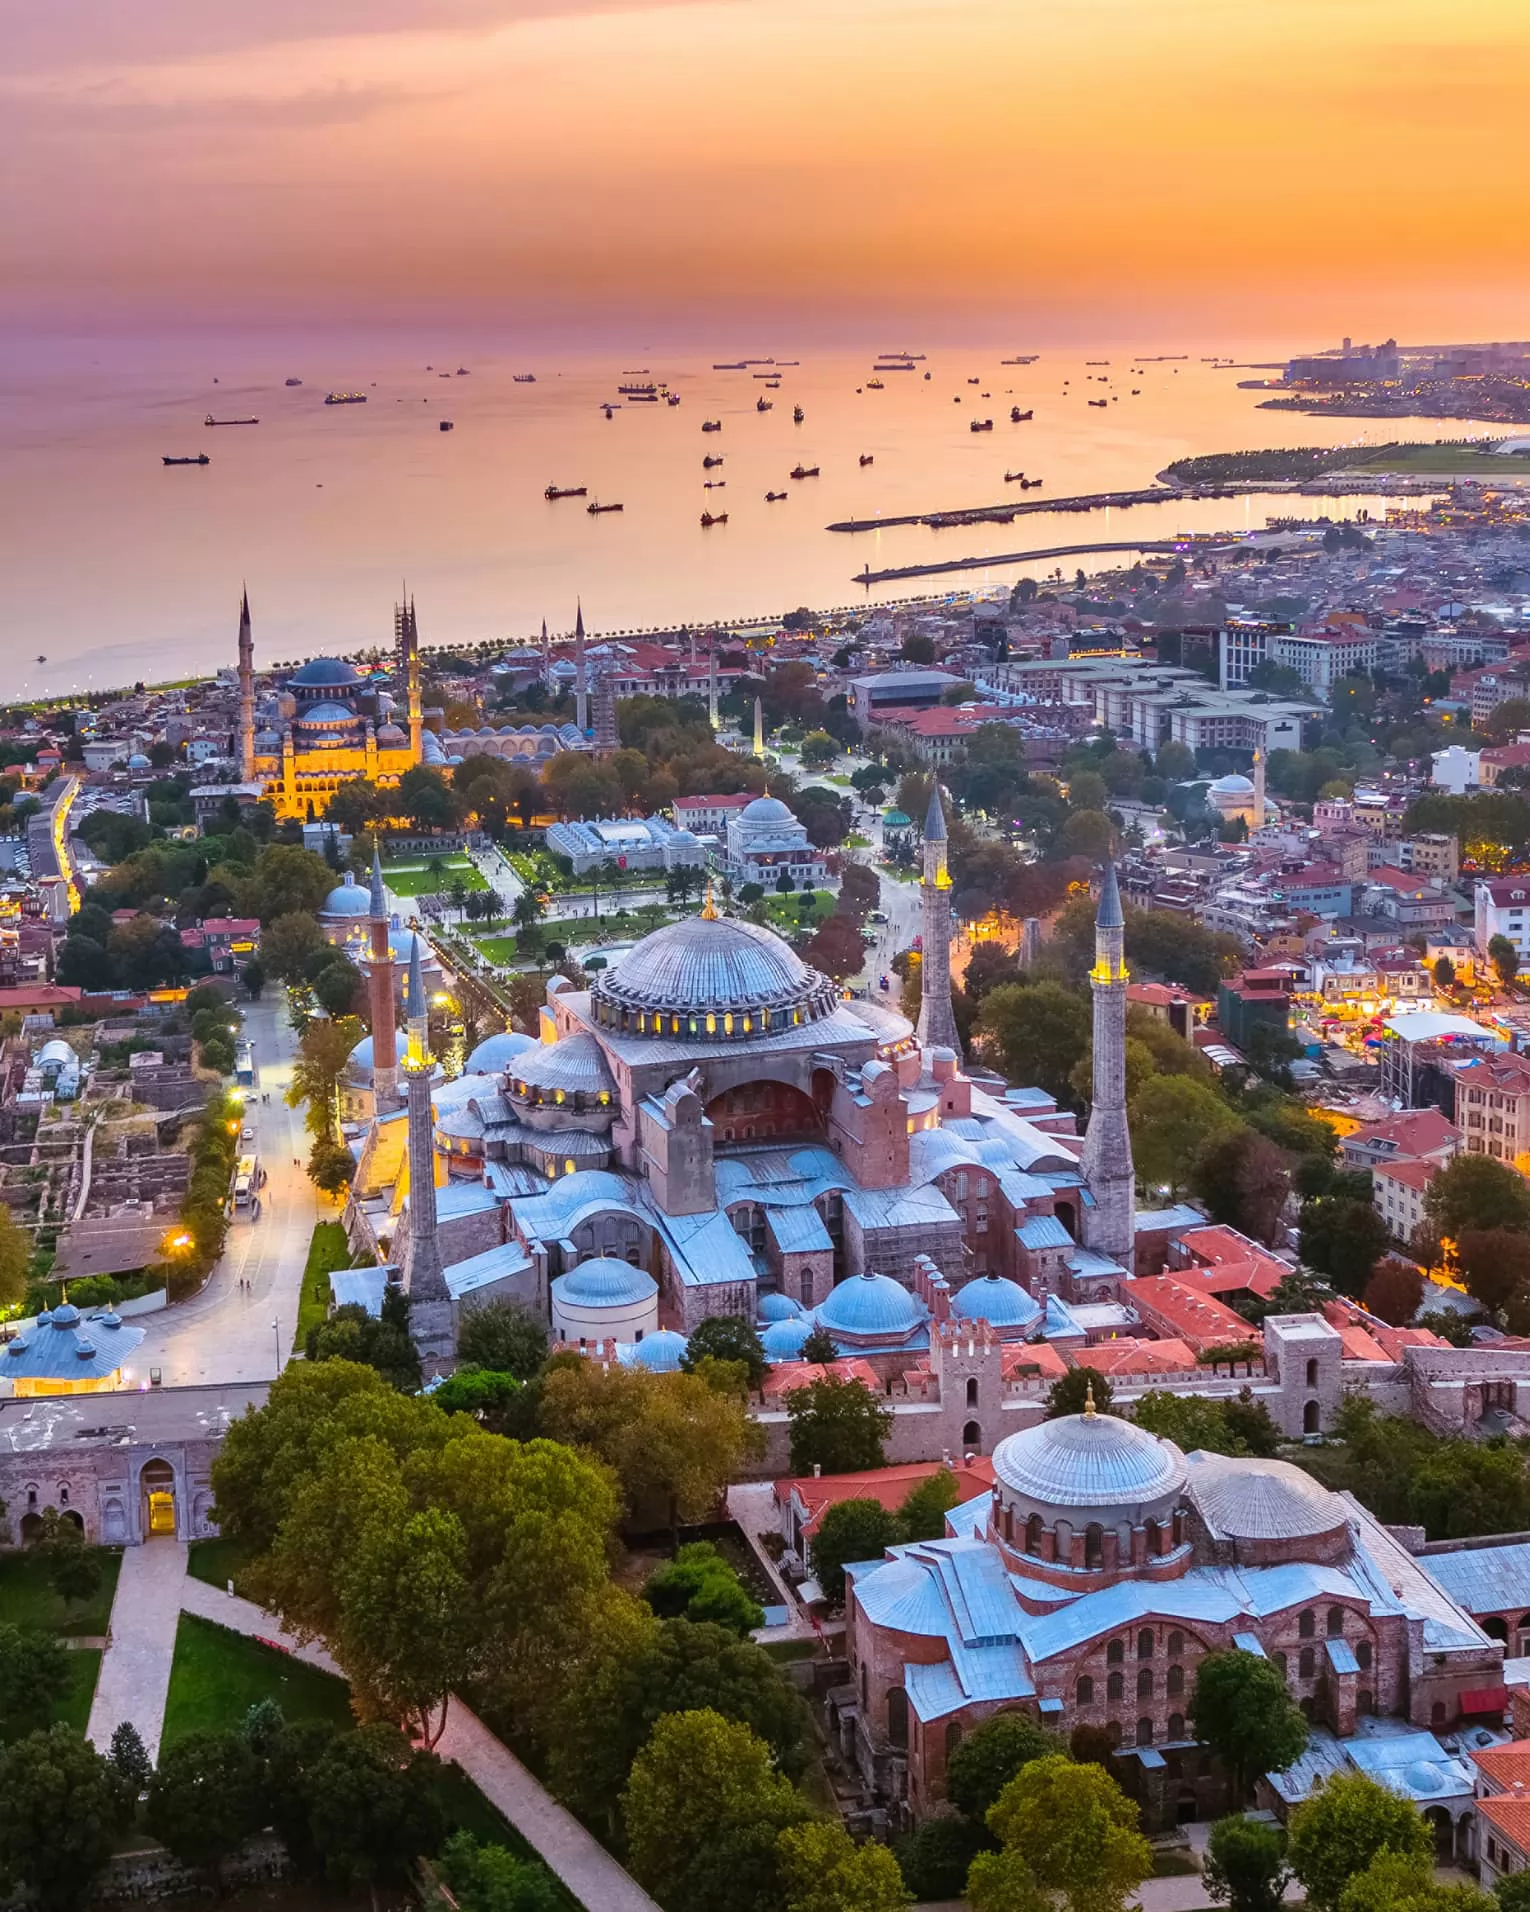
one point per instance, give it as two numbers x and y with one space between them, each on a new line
224 1332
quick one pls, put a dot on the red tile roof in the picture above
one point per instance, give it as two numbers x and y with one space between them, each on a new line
1184 1313
1507 1765
890 1486
785 1376
1509 1816
1411 1174
1122 1358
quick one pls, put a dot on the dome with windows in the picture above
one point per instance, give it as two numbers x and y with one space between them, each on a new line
1089 1460
325 673
766 810
711 978
549 1072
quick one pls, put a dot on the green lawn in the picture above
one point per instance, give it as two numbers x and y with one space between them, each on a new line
422 882
498 949
27 1600
327 1251
217 1561
855 841
784 911
73 1710
217 1676
1440 458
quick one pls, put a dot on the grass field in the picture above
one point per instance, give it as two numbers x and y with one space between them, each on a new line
498 949
327 1251
217 1676
27 1600
416 880
784 912
1441 458
73 1710
216 1561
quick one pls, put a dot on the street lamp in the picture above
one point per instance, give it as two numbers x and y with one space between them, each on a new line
276 1330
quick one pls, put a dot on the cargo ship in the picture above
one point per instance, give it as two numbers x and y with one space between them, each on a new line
200 459
345 398
866 457
707 520
980 425
564 491
637 391
1025 359
1017 417
446 425
774 497
523 378
764 405
711 459
738 365
711 424
804 471
210 420
1100 404
294 381
595 509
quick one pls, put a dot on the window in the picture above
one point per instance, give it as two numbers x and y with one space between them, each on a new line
1033 1535
953 1736
1307 1664
1312 1374
1083 1693
1144 1732
1281 1664
1336 1623
1145 1644
1176 1726
1306 1626
1094 1544
1145 1683
1115 1687
897 1716
1176 1644
1115 1653
1363 1656
1176 1681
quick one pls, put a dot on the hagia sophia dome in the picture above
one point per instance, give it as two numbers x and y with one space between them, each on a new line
713 977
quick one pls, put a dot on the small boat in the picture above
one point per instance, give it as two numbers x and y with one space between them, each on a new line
774 497
763 405
972 381
1014 477
1136 391
642 398
1097 361
980 425
564 491
707 520
443 374
294 381
345 398
1030 360
610 411
715 484
42 655
210 420
595 510
200 459
463 372
773 385
803 471
1017 417
797 414
711 424
926 375
671 398
738 365
446 425
866 457
523 378
875 385
708 462
1100 404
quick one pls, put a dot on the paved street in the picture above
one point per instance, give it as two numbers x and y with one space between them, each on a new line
225 1332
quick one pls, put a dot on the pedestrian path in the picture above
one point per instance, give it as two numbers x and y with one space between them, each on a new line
243 1616
134 1680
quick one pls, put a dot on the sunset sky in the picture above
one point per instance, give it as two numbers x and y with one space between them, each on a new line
1031 170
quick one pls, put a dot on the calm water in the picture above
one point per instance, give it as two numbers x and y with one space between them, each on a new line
116 567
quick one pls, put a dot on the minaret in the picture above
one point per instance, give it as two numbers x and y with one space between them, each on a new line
759 731
409 637
246 693
712 682
1258 822
416 1008
606 739
937 1017
384 1026
430 1300
546 650
582 676
1109 1226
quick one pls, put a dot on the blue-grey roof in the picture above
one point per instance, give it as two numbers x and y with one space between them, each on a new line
1108 915
1089 1460
660 1352
1483 1579
320 671
1341 1656
495 1053
783 1340
358 1288
779 1307
347 899
870 1304
1180 1217
935 817
798 1230
900 1207
500 1263
710 964
603 1282
997 1300
66 1346
575 1064
1043 1231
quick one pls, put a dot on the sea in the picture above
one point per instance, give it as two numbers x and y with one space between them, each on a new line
118 568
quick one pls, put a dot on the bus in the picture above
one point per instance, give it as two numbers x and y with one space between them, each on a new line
247 1180
244 1064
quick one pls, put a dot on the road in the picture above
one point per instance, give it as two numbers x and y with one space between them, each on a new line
224 1333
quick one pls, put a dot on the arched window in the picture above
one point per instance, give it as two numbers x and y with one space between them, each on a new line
1306 1626
1176 1644
1363 1656
1145 1683
1281 1664
1312 1380
1115 1653
972 1391
1144 1732
897 1716
1145 1644
1176 1726
1311 1415
1176 1684
1033 1535
953 1736
1307 1664
1083 1693
864 1700
1437 1713
1336 1623
1094 1544
1115 1687
972 1437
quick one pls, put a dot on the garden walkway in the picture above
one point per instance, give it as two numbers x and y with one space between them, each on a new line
134 1680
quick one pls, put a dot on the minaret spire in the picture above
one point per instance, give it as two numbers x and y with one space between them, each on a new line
582 676
246 691
429 1297
1258 823
380 985
407 631
416 1008
1110 1225
606 739
937 1016
712 680
759 728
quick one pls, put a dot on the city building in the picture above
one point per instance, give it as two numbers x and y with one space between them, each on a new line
631 843
766 842
1493 1105
1501 907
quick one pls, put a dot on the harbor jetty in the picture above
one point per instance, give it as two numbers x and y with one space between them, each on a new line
1207 541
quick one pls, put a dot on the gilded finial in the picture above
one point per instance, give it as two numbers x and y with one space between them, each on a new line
1089 1407
709 908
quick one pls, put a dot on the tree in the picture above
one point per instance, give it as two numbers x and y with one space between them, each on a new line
819 750
1245 1865
698 1584
1343 1240
253 976
1067 1836
74 1570
1514 1892
502 1337
918 649
351 1334
923 1513
1242 1710
836 1426
1474 1191
289 944
819 1347
286 880
989 1758
60 1809
205 1798
1444 973
639 1669
1495 1266
936 1856
428 800
1504 957
1395 1290
15 1260
1072 1392
1035 1032
337 986
1338 1832
850 1530
487 1878
1172 1120
704 1806
34 1676
330 1166
374 1806
1195 1421
726 1338
324 1050
824 1870
1403 1882
1244 1180
130 1761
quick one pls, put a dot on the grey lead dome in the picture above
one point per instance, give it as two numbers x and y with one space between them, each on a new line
1089 1460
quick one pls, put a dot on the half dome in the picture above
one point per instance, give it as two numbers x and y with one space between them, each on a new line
575 1064
1089 1460
495 1053
1262 1500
